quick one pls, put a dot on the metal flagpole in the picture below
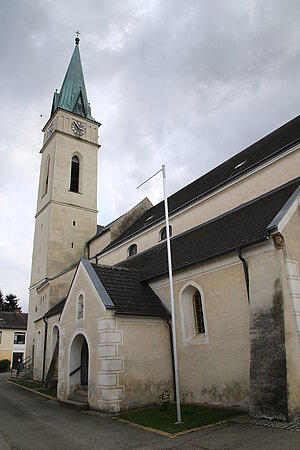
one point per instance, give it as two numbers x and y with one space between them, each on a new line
177 390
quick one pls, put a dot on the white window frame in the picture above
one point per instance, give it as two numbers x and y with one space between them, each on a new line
23 333
188 322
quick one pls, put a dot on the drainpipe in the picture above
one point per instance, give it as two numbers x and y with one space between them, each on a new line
246 272
172 355
45 346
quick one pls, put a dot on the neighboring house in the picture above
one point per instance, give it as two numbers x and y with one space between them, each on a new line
99 308
13 327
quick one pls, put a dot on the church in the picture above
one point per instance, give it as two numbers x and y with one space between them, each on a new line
99 322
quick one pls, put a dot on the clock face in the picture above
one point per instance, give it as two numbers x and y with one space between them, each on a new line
78 128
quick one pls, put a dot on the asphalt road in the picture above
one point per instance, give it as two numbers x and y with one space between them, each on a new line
29 421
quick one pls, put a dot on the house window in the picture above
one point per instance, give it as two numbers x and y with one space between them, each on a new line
132 250
163 233
19 338
198 313
74 184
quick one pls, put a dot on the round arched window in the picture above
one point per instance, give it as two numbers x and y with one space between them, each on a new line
163 233
132 250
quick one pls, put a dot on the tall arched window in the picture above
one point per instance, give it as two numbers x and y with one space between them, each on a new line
163 233
74 185
132 250
198 312
193 314
46 181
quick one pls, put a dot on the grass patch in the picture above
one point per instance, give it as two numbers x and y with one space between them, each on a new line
193 416
36 386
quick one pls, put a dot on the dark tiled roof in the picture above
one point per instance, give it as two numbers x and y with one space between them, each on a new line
241 227
128 293
100 228
57 309
13 320
264 149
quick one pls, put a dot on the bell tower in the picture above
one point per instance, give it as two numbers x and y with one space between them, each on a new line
66 215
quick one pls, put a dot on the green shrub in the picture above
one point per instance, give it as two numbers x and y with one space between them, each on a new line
4 365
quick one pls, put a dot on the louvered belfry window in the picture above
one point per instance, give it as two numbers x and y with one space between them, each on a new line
198 311
74 185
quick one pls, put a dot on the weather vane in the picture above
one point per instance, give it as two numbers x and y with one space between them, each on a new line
77 36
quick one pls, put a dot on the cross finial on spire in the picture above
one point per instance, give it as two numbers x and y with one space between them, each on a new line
77 37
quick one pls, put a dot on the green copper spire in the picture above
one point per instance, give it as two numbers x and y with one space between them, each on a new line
72 96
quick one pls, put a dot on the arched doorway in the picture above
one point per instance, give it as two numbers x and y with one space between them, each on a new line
79 363
84 364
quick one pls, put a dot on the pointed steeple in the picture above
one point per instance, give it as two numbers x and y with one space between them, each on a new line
72 96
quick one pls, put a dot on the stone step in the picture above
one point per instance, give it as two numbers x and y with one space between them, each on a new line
80 391
80 406
78 398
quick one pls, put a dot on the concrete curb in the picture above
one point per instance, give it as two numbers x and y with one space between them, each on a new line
171 435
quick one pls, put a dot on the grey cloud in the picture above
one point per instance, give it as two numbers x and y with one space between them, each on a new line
185 83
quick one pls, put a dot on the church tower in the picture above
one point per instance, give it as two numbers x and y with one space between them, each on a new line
66 216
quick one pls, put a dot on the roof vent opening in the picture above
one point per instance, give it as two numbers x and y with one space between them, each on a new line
239 166
149 218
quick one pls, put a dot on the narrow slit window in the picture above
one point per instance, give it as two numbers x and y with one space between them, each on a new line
74 185
46 177
198 312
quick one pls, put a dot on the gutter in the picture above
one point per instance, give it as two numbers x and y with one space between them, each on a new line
45 345
204 258
246 272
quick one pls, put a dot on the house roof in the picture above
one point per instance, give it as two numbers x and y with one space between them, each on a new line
128 293
241 227
12 320
57 309
266 148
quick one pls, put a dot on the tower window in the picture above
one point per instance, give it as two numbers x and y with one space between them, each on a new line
72 245
132 250
74 223
46 182
74 185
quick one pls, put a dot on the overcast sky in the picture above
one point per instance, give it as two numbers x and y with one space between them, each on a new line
186 83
